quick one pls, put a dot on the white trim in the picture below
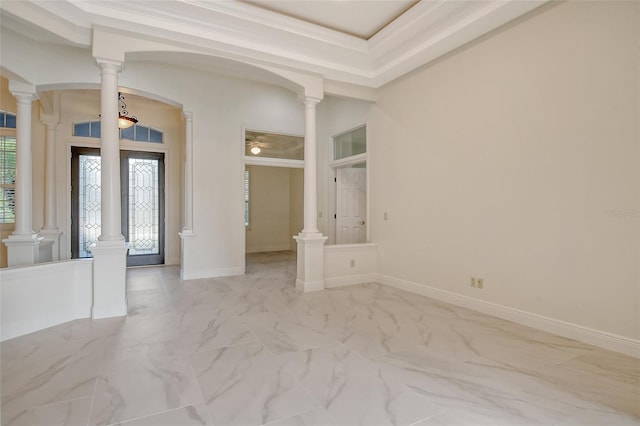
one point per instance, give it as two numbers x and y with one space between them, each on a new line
569 330
351 247
308 286
348 161
273 162
213 273
350 280
99 312
262 249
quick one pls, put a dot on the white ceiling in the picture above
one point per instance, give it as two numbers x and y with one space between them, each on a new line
347 42
362 18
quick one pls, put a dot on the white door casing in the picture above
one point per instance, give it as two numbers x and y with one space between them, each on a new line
351 205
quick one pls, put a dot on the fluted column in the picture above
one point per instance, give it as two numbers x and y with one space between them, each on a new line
110 251
23 243
310 262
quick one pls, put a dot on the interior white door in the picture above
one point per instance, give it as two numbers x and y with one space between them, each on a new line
351 205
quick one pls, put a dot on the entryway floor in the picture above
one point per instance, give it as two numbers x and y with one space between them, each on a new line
251 350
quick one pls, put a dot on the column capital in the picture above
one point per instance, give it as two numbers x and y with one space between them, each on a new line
50 123
24 97
109 64
22 91
309 100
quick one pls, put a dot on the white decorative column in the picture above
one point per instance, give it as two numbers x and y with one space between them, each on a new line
310 262
110 251
187 228
50 231
23 244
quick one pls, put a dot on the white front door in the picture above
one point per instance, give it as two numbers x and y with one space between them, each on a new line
351 205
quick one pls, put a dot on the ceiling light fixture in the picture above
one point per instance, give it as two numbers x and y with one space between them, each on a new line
124 119
255 150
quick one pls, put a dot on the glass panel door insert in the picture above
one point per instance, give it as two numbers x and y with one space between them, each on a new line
142 207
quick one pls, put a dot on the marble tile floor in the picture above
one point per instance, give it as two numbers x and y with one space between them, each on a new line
251 350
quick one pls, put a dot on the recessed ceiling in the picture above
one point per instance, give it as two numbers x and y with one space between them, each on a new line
354 43
362 18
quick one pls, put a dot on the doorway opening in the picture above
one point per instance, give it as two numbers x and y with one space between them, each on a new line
142 204
273 192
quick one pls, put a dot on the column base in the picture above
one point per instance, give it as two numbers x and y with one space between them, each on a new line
186 236
23 250
109 279
310 262
52 235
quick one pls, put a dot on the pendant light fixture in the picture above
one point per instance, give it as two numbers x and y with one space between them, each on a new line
124 119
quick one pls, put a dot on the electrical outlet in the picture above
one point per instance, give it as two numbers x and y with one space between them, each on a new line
473 282
480 283
353 263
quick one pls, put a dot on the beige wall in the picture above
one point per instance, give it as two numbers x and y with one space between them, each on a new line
296 205
515 159
275 208
84 105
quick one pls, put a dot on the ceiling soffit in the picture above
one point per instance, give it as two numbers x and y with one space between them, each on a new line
246 33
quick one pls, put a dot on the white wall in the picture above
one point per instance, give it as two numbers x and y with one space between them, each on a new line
335 116
508 160
221 107
44 295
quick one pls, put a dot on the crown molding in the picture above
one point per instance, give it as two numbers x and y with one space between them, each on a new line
242 32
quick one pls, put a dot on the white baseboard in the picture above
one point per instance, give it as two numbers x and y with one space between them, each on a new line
212 273
588 335
350 280
309 285
20 328
264 249
102 311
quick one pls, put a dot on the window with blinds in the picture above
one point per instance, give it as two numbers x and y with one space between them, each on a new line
7 178
246 198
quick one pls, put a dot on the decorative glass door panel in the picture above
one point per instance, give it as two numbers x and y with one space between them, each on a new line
142 207
89 203
145 209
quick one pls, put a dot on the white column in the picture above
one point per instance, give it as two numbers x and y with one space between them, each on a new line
110 251
188 174
24 172
310 263
23 243
187 228
50 222
109 153
310 168
50 231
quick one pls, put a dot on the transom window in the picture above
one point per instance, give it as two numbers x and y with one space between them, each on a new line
7 119
137 132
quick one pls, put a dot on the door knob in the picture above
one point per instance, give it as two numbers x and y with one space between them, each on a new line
362 222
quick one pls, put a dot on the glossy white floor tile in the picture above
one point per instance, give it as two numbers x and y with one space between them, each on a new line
251 350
